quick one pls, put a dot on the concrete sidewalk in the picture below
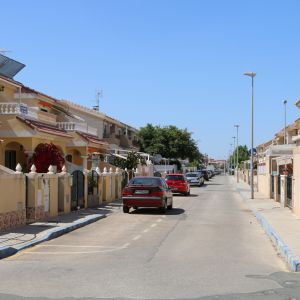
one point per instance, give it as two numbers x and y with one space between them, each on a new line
280 224
20 238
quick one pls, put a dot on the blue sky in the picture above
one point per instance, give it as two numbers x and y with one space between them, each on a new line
164 62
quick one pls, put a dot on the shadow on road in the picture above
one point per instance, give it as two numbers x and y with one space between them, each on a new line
155 211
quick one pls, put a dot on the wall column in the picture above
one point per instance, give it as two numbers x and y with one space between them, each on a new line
283 192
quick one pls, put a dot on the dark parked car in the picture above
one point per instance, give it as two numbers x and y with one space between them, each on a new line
205 174
147 192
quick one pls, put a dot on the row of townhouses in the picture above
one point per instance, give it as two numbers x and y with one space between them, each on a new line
84 137
278 167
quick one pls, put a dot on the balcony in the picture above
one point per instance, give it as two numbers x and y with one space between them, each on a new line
11 108
296 138
74 126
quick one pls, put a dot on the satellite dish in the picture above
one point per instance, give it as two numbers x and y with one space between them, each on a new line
157 158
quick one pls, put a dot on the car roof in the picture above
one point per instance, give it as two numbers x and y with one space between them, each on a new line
177 174
150 177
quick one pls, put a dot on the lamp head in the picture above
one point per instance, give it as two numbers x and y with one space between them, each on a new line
285 102
251 74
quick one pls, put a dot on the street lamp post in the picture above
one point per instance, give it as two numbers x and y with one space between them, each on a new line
252 75
230 159
234 162
285 139
237 151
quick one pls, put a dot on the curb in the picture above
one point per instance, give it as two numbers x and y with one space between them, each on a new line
56 232
292 260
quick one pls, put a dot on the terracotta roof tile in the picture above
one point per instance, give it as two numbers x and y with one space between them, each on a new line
44 127
92 138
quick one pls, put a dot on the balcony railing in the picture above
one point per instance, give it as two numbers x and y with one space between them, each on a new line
73 126
11 108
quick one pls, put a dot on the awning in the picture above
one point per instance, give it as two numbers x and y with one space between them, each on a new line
284 160
280 150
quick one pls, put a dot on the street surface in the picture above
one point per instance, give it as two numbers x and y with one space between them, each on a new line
209 246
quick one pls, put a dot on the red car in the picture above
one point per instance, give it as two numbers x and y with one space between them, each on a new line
147 192
178 184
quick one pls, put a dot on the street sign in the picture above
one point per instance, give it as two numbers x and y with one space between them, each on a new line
254 152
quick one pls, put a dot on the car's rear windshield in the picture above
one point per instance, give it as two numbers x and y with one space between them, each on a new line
145 181
174 177
192 175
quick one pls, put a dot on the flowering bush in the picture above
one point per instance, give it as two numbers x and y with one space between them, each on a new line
46 155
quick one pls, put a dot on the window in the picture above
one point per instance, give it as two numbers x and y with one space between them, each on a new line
174 177
145 181
69 158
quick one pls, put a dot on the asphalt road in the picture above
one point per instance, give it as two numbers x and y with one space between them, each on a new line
209 246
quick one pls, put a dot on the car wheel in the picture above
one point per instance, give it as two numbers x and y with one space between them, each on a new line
125 209
164 208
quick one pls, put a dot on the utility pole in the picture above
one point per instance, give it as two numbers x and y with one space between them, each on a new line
252 75
237 151
234 162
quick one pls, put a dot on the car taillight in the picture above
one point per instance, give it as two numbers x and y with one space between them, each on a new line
127 191
158 191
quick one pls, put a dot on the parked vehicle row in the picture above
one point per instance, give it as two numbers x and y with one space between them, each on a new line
158 192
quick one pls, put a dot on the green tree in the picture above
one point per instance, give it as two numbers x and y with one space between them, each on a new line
243 154
131 162
169 141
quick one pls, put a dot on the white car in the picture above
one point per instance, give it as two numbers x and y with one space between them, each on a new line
195 178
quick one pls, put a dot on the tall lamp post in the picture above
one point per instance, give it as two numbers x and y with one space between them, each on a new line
234 162
237 151
252 75
230 159
285 139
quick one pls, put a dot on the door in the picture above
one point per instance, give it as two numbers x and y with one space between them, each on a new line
77 190
10 159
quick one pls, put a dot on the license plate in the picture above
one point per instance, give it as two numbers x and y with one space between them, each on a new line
141 192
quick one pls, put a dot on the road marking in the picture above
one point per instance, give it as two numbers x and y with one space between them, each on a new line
22 252
158 220
76 246
31 251
153 225
136 237
146 230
